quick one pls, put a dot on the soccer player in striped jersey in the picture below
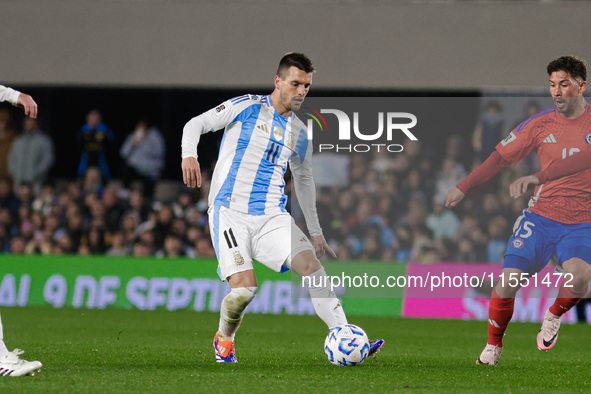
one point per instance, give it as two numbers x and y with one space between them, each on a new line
558 219
247 213
10 362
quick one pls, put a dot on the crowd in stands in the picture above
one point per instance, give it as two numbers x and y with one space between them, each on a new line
391 210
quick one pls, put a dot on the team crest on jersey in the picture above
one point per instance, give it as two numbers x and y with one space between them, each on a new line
219 109
588 138
238 259
511 137
517 243
278 133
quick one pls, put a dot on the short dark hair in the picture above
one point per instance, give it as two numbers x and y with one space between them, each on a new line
573 65
294 59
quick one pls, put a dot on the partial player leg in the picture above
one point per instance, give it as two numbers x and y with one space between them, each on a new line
10 362
326 304
570 293
500 312
243 289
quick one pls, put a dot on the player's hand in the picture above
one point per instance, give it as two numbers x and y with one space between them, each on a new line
520 185
454 197
321 246
191 172
27 103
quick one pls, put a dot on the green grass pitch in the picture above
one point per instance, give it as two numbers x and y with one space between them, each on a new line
115 351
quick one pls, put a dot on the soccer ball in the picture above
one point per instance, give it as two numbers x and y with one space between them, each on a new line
346 345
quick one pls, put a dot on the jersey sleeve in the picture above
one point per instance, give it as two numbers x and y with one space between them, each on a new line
215 119
519 143
8 94
305 188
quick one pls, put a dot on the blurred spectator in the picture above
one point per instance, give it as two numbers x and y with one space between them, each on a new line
452 172
8 199
441 221
497 243
490 208
114 208
45 200
403 242
466 251
183 203
204 248
25 194
490 130
7 136
18 245
128 228
92 182
143 152
94 240
163 225
31 155
138 206
118 248
94 138
173 247
140 249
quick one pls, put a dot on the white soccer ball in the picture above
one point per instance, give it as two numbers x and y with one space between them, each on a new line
346 345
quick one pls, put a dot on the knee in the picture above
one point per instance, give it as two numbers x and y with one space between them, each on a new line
506 291
244 295
305 264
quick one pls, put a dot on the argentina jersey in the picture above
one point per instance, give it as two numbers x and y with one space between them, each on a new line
256 147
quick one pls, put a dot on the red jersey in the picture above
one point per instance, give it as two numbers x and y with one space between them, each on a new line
567 199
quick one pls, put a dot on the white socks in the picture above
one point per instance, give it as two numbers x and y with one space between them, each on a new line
326 304
3 349
232 310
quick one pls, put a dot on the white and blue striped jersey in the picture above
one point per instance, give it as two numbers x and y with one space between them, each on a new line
257 145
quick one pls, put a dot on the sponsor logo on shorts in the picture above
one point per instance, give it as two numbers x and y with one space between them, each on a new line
517 243
304 239
238 259
588 138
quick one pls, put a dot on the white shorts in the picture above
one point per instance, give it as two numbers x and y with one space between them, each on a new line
239 238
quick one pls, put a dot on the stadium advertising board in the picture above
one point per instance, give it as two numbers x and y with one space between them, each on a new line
449 293
150 283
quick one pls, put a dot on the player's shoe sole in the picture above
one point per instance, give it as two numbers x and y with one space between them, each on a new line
375 346
548 334
224 350
490 355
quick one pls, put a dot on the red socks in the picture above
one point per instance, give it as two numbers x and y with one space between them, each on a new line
500 312
566 299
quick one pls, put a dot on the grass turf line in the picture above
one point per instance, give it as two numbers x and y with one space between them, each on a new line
114 351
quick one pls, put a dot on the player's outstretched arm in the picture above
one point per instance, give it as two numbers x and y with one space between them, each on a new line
488 169
321 246
191 172
572 164
27 103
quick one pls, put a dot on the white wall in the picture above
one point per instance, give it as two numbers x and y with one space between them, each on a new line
354 44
